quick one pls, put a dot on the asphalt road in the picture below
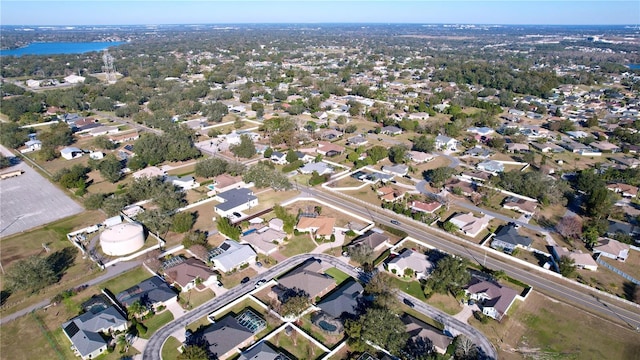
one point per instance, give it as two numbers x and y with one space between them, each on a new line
153 349
559 288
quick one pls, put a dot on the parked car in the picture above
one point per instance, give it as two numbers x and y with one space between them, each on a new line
260 282
395 222
245 280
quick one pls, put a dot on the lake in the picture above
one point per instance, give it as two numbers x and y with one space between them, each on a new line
50 48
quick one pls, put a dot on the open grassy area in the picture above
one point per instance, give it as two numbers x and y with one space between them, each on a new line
446 303
326 339
194 298
156 322
126 280
170 348
297 346
541 328
412 288
337 275
231 280
300 244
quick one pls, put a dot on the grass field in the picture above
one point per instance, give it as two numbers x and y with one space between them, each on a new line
170 348
337 275
446 303
196 298
297 346
301 244
126 280
412 288
542 328
156 322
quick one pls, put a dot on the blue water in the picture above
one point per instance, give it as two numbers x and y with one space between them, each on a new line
634 66
60 48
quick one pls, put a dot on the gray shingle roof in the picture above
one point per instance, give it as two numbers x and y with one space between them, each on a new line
343 300
225 335
83 330
150 291
234 198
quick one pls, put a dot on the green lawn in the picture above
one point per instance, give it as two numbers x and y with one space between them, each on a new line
412 288
337 275
156 322
170 349
446 303
301 244
196 298
297 346
126 280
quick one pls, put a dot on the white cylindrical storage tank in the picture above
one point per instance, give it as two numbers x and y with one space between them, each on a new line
122 239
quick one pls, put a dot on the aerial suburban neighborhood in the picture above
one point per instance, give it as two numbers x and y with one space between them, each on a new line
336 192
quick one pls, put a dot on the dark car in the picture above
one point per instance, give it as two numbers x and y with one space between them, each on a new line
408 303
395 222
236 214
245 280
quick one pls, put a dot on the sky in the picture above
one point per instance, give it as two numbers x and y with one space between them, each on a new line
145 12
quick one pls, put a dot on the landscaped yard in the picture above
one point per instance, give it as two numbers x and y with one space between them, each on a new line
231 280
337 275
297 346
300 244
541 328
446 303
127 280
326 339
170 348
193 298
156 322
412 288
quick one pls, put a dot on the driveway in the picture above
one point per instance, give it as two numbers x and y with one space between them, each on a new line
466 312
176 310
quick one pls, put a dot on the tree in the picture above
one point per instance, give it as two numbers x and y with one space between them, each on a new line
211 167
263 175
136 309
111 168
382 328
496 143
570 226
200 251
291 156
216 111
11 135
156 220
397 154
5 162
295 305
94 201
362 254
599 202
424 144
383 291
566 266
227 228
258 108
450 274
32 274
465 349
245 149
73 178
438 176
183 221
193 352
419 348
377 153
114 204
102 142
448 226
195 238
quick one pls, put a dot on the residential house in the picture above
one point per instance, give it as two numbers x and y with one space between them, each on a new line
625 190
476 176
307 278
321 168
426 207
70 153
357 140
188 273
104 130
482 131
419 329
231 255
343 302
31 145
225 182
454 186
265 240
374 239
124 136
580 259
279 158
491 166
605 146
151 293
494 299
547 147
418 116
470 225
419 156
399 169
627 161
391 130
515 147
321 226
621 228
329 149
612 249
417 262
478 152
520 205
389 194
262 351
149 172
507 239
446 143
184 183
224 337
330 134
235 200
84 331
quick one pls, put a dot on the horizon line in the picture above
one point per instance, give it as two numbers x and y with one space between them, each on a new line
316 23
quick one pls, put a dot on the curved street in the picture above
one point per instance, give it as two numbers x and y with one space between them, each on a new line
153 349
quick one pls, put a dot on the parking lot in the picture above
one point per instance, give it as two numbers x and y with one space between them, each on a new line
30 200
